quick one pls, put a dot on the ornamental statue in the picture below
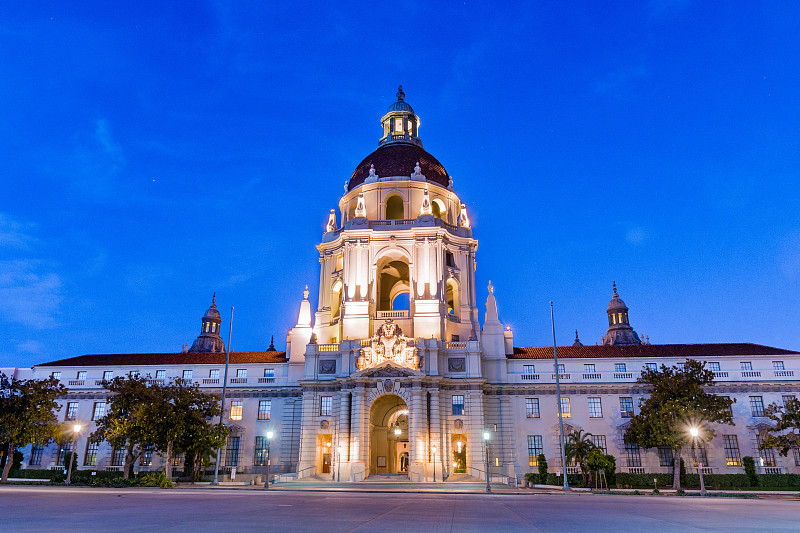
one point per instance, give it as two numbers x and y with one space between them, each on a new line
388 344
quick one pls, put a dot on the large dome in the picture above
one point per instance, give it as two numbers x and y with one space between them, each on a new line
399 160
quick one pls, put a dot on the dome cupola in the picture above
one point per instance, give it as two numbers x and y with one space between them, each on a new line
400 124
209 339
619 328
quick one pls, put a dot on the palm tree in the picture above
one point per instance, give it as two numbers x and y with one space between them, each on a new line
576 449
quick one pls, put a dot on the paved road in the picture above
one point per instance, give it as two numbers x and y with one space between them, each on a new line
85 509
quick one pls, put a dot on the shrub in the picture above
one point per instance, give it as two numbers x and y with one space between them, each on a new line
656 492
680 492
156 479
750 470
531 478
542 462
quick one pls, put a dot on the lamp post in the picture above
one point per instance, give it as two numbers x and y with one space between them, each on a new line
224 385
76 429
434 463
486 436
695 433
338 463
558 400
269 440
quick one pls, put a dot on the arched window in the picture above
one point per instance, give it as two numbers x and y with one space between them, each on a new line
394 208
336 299
452 298
438 208
339 262
394 281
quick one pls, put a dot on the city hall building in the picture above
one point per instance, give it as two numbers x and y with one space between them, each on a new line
395 369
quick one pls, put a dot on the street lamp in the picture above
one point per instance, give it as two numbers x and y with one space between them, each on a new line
694 432
269 440
434 463
338 463
76 429
486 436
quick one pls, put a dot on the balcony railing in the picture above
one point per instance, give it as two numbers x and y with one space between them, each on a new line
78 382
784 373
592 376
238 381
529 377
331 347
623 375
454 345
751 374
561 376
453 318
720 374
392 314
210 381
266 380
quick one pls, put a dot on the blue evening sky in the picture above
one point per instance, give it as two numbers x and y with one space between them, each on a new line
155 152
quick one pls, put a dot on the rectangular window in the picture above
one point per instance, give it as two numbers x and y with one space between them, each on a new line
767 455
633 455
118 457
161 374
746 365
665 457
565 412
232 452
36 455
99 410
269 372
600 442
795 451
63 450
81 374
532 407
90 459
147 456
729 410
241 372
264 409
213 373
236 410
589 369
56 375
260 455
177 460
731 443
626 407
458 405
134 374
561 369
778 365
651 366
595 408
714 367
187 374
620 367
72 411
528 369
325 405
534 449
680 365
756 405
699 455
108 375
787 398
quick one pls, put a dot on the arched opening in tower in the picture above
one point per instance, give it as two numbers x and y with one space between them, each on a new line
393 283
394 208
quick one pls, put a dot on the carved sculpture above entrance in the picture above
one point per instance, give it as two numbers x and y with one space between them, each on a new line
388 344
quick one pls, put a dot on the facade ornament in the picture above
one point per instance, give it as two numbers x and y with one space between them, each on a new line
388 344
450 182
426 208
491 287
346 185
372 171
331 221
361 206
417 175
305 293
463 219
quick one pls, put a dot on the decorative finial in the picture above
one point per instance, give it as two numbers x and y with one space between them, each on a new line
426 208
271 344
331 225
371 169
576 334
400 94
615 290
214 299
491 288
305 293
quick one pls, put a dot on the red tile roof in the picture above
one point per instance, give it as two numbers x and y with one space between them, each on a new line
648 350
208 358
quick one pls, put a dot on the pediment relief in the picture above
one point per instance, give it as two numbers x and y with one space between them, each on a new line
388 345
387 370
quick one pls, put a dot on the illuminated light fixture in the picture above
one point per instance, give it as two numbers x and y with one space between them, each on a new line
76 428
397 430
403 412
458 446
269 434
486 435
694 432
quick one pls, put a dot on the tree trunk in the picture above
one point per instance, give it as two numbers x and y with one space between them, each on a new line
126 466
676 468
168 461
9 461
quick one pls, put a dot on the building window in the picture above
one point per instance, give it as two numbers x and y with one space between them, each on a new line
187 375
532 407
241 373
767 455
699 455
260 456
620 367
63 450
81 374
72 410
118 457
264 409
534 449
232 452
665 457
458 405
778 365
746 365
589 369
325 405
787 398
161 374
134 374
528 369
633 455
757 405
177 460
56 375
213 373
108 375
626 407
565 411
236 410
729 410
269 372
731 443
561 369
680 365
595 408
90 459
795 451
99 410
36 455
147 456
600 442
714 367
651 366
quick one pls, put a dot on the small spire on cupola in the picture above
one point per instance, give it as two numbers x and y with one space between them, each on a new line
400 94
619 330
271 344
577 340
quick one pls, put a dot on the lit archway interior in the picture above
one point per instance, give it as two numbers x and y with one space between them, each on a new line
394 280
388 435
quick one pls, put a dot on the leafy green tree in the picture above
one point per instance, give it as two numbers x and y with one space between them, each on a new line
576 449
678 399
785 434
541 461
28 414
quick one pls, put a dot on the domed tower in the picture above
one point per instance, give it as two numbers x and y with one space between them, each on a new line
619 330
404 251
209 339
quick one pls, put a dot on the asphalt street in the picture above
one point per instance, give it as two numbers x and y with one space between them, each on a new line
85 509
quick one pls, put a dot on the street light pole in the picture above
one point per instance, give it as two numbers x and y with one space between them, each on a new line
434 463
269 441
224 384
486 436
75 429
338 463
558 399
695 433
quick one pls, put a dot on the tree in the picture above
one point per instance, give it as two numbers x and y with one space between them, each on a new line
541 461
576 448
785 435
678 399
28 414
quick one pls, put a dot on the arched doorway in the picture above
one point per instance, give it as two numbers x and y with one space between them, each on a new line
388 435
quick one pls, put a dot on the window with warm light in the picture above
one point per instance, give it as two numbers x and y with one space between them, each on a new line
565 411
626 407
264 409
731 444
534 449
236 410
325 405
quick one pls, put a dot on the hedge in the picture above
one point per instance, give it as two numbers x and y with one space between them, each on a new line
712 481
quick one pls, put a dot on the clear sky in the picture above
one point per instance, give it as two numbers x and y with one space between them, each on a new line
155 152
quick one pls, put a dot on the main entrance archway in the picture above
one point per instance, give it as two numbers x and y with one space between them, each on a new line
388 435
